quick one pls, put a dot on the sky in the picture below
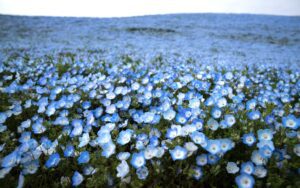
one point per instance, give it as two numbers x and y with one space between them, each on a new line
124 8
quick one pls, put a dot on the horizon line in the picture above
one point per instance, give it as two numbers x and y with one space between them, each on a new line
147 15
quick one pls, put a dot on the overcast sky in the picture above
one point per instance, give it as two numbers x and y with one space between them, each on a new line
120 8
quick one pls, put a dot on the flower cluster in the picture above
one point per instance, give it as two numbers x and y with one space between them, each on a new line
131 122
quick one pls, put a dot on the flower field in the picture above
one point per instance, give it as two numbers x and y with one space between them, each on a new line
92 118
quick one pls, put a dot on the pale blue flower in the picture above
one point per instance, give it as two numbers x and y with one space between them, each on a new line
265 134
198 138
178 153
108 149
197 173
38 128
123 156
169 114
138 160
10 160
84 140
245 181
77 179
142 172
213 146
89 170
124 137
201 160
122 169
232 168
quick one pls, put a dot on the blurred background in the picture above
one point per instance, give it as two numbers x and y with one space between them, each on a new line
124 8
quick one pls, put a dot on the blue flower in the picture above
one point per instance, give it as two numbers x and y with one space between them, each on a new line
77 179
84 157
150 152
53 160
213 146
139 145
198 138
154 141
138 160
10 160
265 134
148 117
122 169
178 153
61 121
180 118
51 109
221 102
2 146
3 117
266 151
251 104
78 128
232 168
103 137
198 123
194 103
216 112
212 159
89 170
169 114
226 144
297 149
172 133
38 128
25 137
90 119
245 181
111 109
4 172
197 173
249 139
123 156
212 124
108 149
201 160
247 167
142 172
26 124
254 115
260 171
228 76
86 104
84 140
69 151
270 119
257 158
124 137
237 99
21 181
31 167
291 122
230 120
98 112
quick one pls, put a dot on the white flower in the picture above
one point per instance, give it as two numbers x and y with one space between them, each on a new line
232 168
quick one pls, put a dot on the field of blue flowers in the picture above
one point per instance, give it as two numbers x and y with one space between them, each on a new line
118 118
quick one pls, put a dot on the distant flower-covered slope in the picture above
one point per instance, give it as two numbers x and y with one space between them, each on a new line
215 38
